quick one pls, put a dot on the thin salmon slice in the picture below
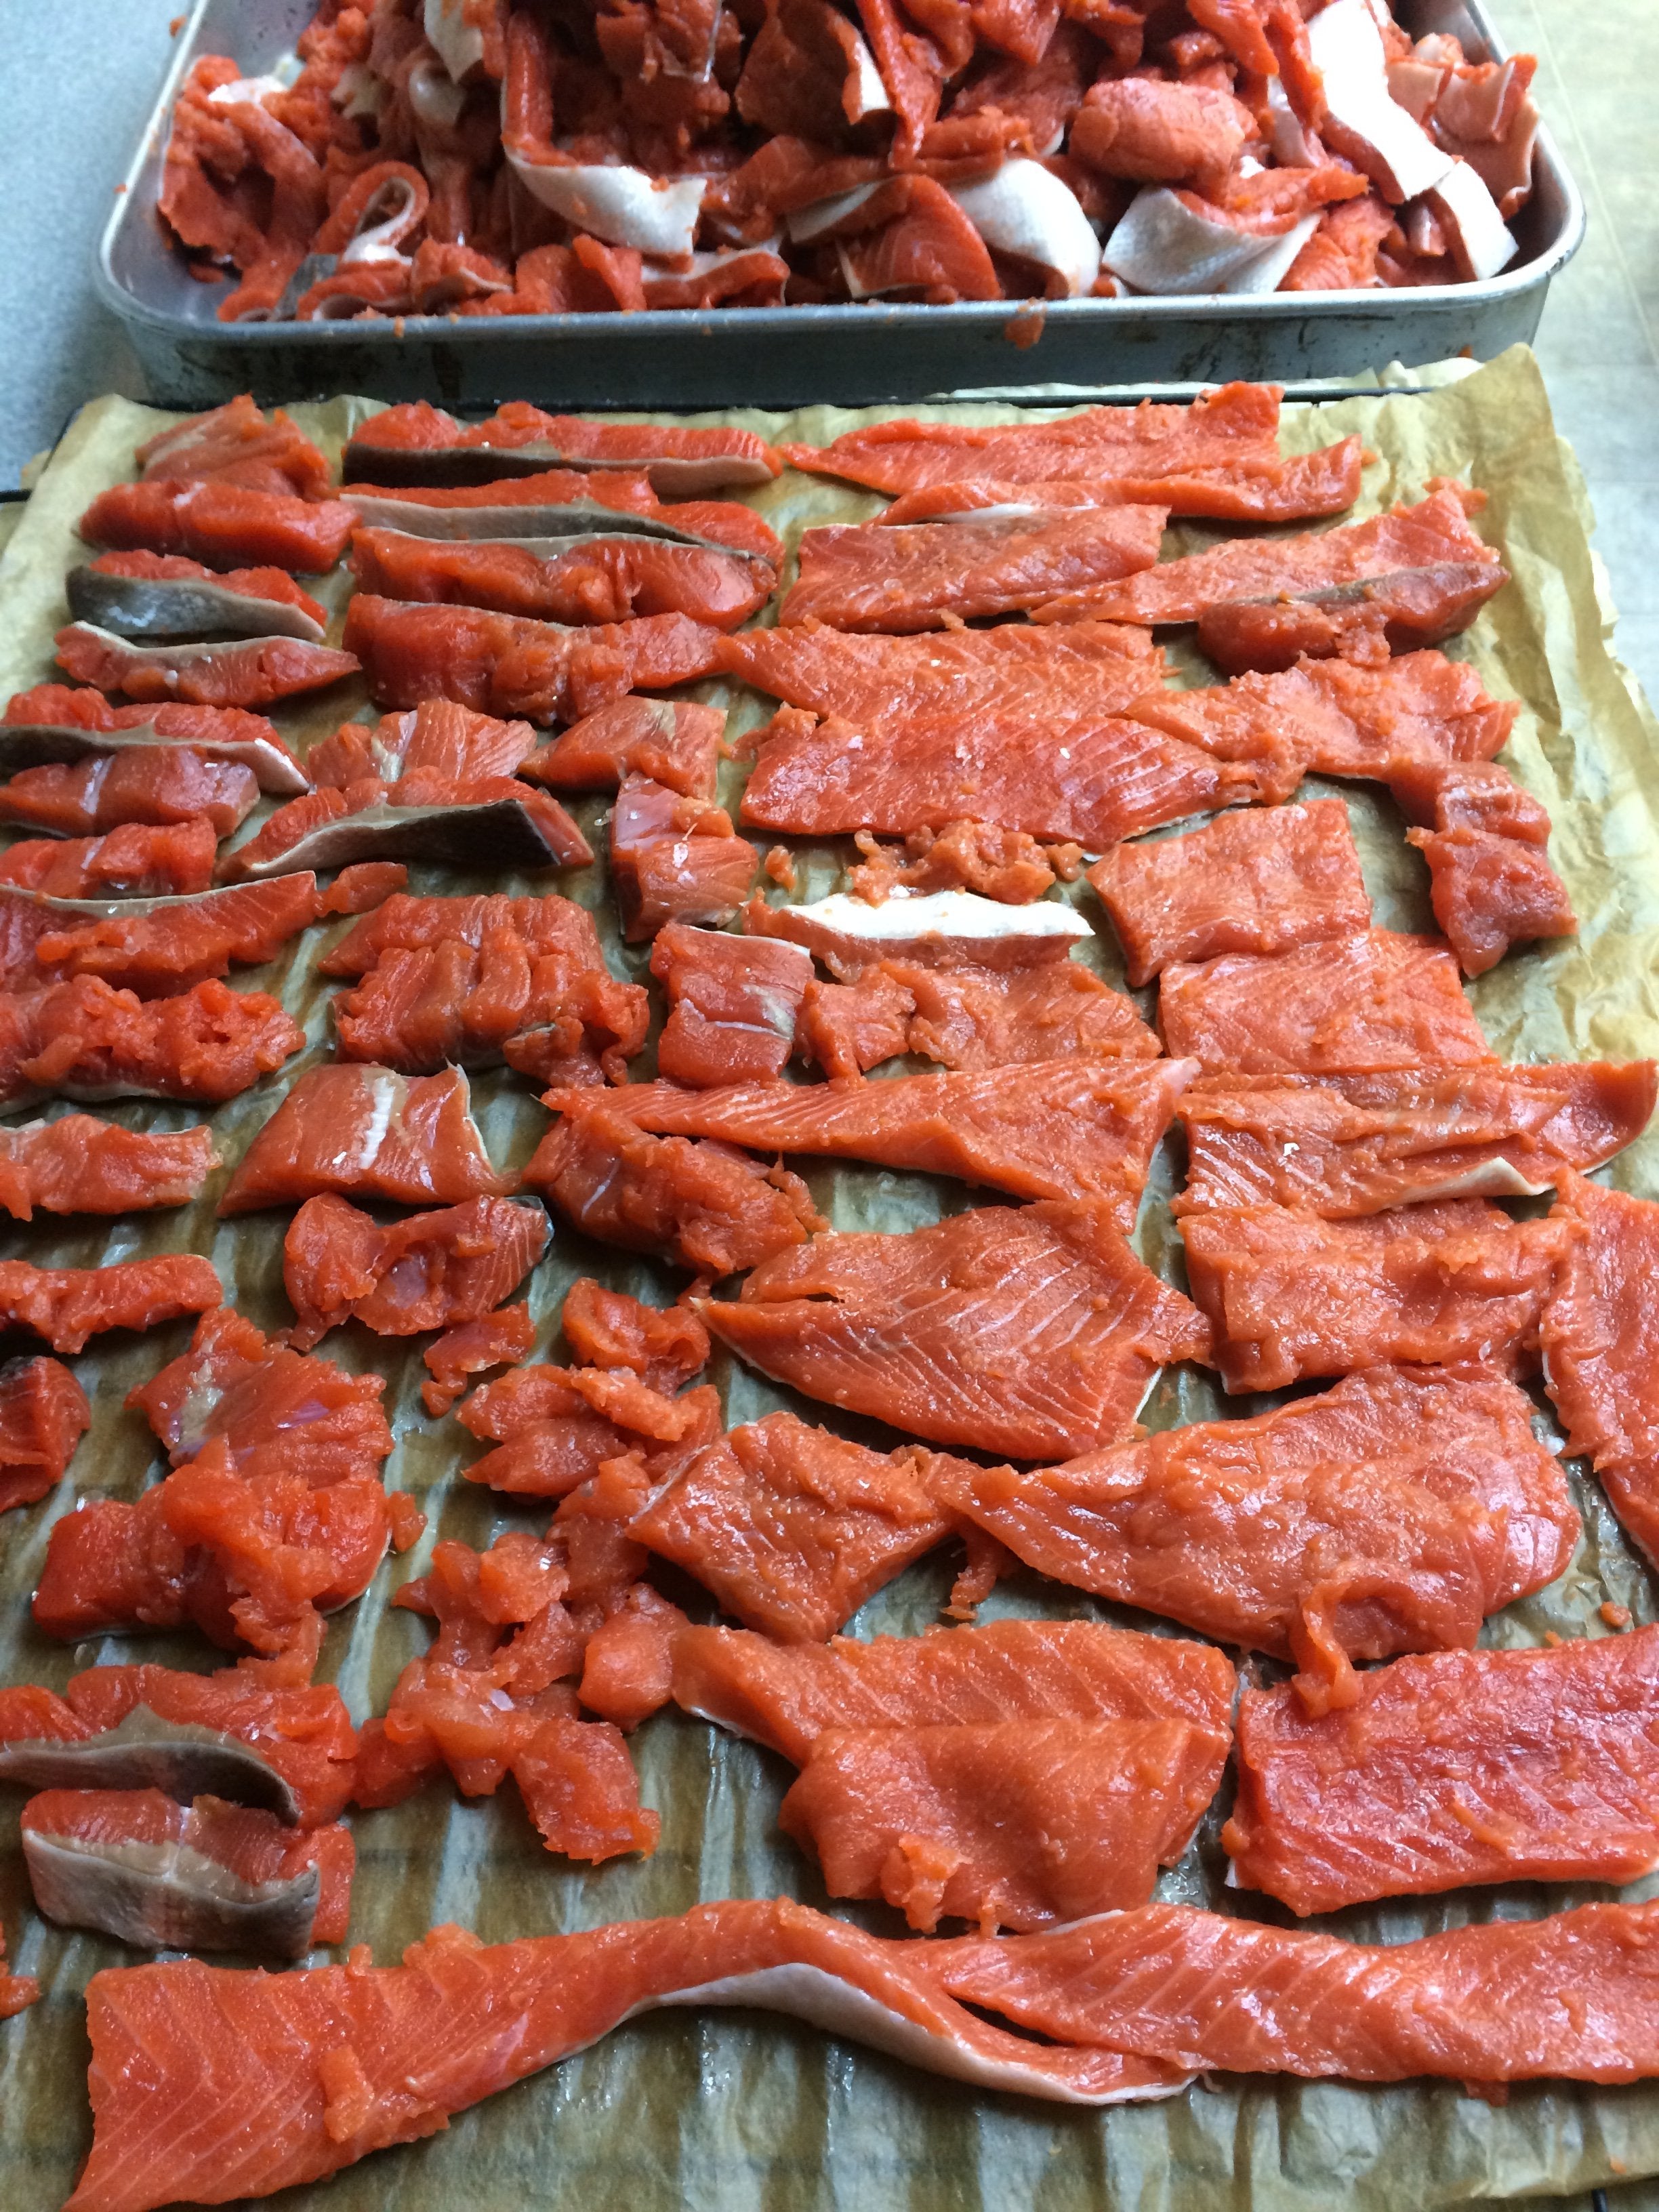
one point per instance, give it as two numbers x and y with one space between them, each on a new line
1300 488
1600 1343
1291 1295
208 1876
674 858
970 1018
221 524
1365 621
158 784
705 1206
426 1271
64 722
670 741
67 1305
419 444
437 737
791 1528
1007 1824
1369 1001
137 861
468 823
156 595
367 1132
1047 1129
1263 880
732 1005
1358 1143
1467 1766
463 2020
1491 893
44 1414
598 577
556 1427
1031 1330
1389 1514
252 672
557 503
785 1696
80 1165
507 666
879 576
979 857
83 1040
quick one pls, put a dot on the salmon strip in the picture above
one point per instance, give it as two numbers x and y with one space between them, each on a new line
369 1132
223 523
154 595
1300 488
672 741
1291 1295
1491 893
67 1305
1359 1144
137 861
64 722
44 1414
567 579
157 784
1389 1514
1467 1766
425 1271
1372 1000
967 1017
419 444
1049 1129
1263 880
420 816
80 1165
250 672
83 1040
561 503
874 576
1034 1331
435 738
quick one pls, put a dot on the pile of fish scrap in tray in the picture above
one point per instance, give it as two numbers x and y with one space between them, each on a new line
546 1197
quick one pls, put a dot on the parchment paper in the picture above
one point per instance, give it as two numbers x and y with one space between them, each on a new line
751 2113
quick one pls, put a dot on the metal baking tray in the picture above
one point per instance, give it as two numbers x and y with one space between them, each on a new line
854 355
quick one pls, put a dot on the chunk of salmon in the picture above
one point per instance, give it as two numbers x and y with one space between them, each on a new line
1491 893
53 722
223 523
558 1426
674 858
1004 864
80 1165
494 820
425 1271
254 672
83 1040
417 443
67 1305
44 1414
153 595
665 1347
970 1018
501 1339
137 861
670 741
237 443
581 580
435 738
732 1005
367 1132
155 784
1156 132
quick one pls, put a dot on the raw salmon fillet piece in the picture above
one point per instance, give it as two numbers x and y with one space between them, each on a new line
670 741
253 671
597 577
557 1427
436 738
1031 1330
208 1876
1456 795
138 861
1600 1343
83 1040
466 822
732 1005
237 443
67 1305
1491 893
561 503
1389 1514
1004 864
705 1206
62 722
1300 488
1373 999
790 1527
674 858
44 1414
505 665
281 1746
1049 1129
1292 1295
419 444
155 784
335 2048
225 524
470 981
367 1132
1262 880
786 1695
970 1018
1007 1824
666 1348
1158 133
472 1348
1467 1766
425 1271
1358 1143
874 575
79 1164
157 595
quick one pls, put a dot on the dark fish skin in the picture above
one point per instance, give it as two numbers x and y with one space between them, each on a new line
455 467
169 1899
40 744
501 834
155 607
147 1753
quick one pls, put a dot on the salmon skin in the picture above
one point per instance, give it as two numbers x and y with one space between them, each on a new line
939 929
1059 1129
1292 1295
1467 1766
732 1005
426 1271
222 525
1492 893
53 722
434 739
158 784
149 595
879 576
674 858
206 1877
598 576
1357 1144
1391 1513
67 1305
792 1529
1299 488
245 671
79 1164
1360 1004
367 1132
1031 1330
138 861
1599 1347
564 503
44 1414
670 741
506 665
419 444
83 1040
1263 880
493 821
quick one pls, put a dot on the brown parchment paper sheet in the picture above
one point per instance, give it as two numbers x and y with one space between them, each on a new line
730 2112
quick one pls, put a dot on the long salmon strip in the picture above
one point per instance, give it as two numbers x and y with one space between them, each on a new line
591 579
416 443
1046 1129
79 1164
1390 1514
67 1305
1464 1767
1301 488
